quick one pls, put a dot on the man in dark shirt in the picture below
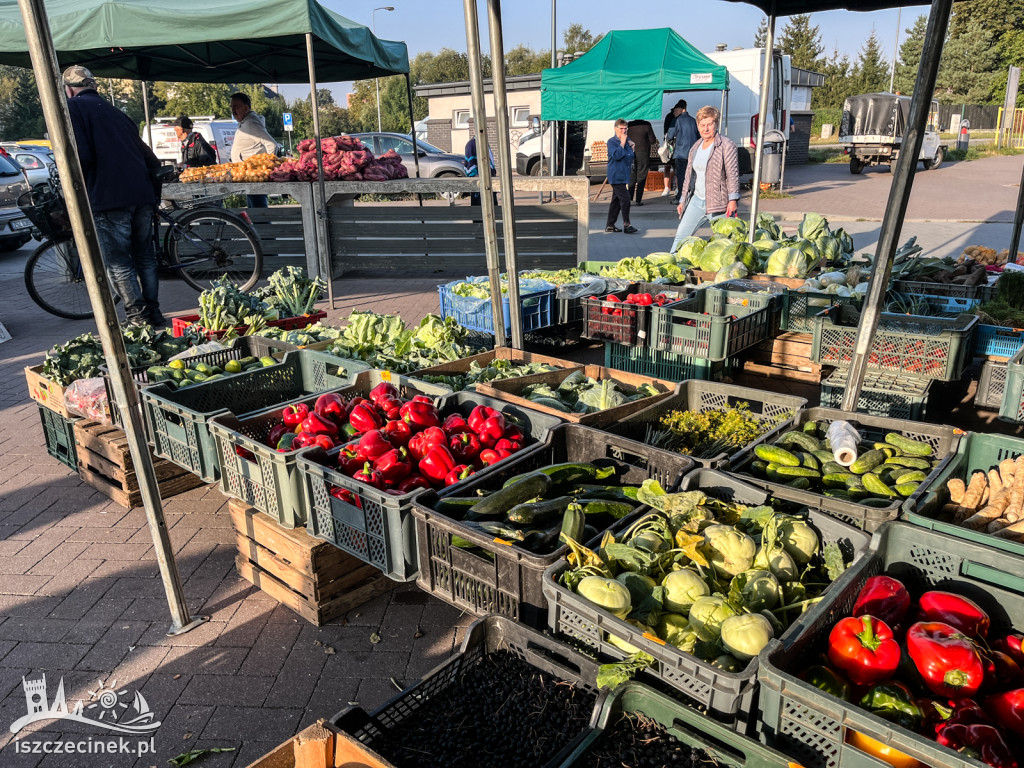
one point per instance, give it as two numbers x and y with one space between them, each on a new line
117 166
641 133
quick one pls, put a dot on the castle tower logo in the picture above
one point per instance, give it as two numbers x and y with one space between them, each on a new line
105 708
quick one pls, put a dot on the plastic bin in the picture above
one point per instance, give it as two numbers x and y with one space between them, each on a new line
684 328
701 396
536 310
883 394
633 327
59 434
926 288
944 440
976 451
270 480
692 729
508 580
178 419
483 638
570 311
1012 407
997 341
800 308
747 295
179 324
811 726
728 696
664 365
378 528
514 356
991 385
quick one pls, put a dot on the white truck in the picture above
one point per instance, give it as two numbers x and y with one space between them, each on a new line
872 128
218 133
739 121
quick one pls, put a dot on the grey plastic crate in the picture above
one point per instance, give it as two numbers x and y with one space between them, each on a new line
701 396
883 394
991 385
728 696
811 726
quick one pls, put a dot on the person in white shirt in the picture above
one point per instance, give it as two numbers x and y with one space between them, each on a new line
251 138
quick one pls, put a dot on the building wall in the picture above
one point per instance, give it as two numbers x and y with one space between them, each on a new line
457 112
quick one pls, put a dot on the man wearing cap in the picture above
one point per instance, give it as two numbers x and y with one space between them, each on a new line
684 131
117 166
196 152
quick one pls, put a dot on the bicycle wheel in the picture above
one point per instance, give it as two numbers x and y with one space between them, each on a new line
206 244
53 276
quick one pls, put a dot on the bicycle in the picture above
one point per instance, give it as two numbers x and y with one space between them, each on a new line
200 245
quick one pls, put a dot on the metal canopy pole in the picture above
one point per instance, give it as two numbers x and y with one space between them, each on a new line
762 118
412 132
899 196
145 112
323 243
58 124
483 167
552 166
508 207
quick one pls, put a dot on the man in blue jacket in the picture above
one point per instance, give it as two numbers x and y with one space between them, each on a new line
684 131
620 163
117 167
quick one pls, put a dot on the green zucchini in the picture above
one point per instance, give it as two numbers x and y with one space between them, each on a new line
908 446
910 462
572 472
492 528
542 542
455 506
527 487
801 440
538 512
875 485
776 455
867 462
574 522
620 492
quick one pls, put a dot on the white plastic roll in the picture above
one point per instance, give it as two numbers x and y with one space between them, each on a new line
843 439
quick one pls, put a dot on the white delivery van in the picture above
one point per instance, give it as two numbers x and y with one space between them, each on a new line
218 133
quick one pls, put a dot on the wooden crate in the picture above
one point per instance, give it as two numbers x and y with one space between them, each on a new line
44 391
105 463
655 181
311 577
787 356
321 745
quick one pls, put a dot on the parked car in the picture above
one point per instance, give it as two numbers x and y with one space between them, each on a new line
434 163
872 127
35 161
15 228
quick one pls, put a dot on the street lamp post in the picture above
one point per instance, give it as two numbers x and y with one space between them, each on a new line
895 52
376 80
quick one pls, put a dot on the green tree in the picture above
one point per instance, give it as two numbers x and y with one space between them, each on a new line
523 60
194 98
967 73
577 39
870 72
802 42
333 119
21 116
837 87
910 56
761 36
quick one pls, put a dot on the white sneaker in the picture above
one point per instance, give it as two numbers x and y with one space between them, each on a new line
666 193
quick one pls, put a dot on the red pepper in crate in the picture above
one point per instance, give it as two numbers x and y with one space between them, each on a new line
478 416
394 465
344 494
465 446
489 456
1011 646
660 299
319 425
883 597
324 441
391 407
370 476
398 433
287 442
276 433
304 440
423 441
509 446
493 428
1001 671
982 742
436 464
365 418
1008 710
373 444
412 482
863 647
644 299
350 460
458 473
245 453
948 660
420 415
382 390
293 415
955 610
330 406
455 424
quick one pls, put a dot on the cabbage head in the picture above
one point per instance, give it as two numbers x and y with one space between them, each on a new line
733 228
744 636
764 245
810 251
828 246
682 588
731 551
661 257
813 226
760 589
715 256
735 271
767 223
676 630
787 262
690 249
746 254
707 615
606 593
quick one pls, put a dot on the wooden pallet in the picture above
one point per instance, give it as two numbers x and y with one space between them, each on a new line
105 463
787 356
311 577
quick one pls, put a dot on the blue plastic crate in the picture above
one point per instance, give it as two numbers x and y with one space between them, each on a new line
537 310
996 341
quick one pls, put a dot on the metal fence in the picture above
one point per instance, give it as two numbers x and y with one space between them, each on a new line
983 117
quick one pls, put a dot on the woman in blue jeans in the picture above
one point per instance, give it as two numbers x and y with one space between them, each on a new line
711 187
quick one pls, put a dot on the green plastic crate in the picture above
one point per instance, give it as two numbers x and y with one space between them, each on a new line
800 308
991 385
811 726
744 295
692 327
724 746
1012 407
178 419
975 452
930 347
882 394
270 480
927 288
702 396
664 365
59 433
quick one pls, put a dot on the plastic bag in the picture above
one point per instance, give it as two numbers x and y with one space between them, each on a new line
88 398
201 349
589 285
470 305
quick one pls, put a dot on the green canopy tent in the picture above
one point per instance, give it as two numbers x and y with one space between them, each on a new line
626 73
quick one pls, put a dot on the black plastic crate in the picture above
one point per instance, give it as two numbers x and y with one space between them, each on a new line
882 394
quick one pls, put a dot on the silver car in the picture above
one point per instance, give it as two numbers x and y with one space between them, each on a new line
36 162
15 228
434 163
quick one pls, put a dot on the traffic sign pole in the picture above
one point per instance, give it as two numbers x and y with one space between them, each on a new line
286 118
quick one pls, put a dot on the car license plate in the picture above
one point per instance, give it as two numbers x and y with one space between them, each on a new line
21 224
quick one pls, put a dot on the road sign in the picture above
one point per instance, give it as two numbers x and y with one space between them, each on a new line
287 118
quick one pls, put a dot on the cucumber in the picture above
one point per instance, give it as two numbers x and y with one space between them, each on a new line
574 522
890 450
836 479
859 494
790 472
906 489
758 466
771 472
837 493
908 446
824 456
776 455
526 487
833 467
614 509
800 483
875 485
867 462
808 460
538 513
874 501
909 476
910 462
854 481
456 506
810 427
798 439
570 472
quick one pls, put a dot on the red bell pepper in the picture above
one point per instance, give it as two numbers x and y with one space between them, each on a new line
948 660
382 390
955 610
883 597
394 465
1011 646
465 446
478 416
1001 671
331 406
644 299
455 424
1008 710
420 415
350 460
965 712
319 425
422 399
365 418
660 299
982 742
304 440
863 647
391 407
514 433
510 446
373 444
293 415
344 494
276 432
245 453
490 456
324 441
493 427
287 442
423 441
436 464
458 473
398 433
370 476
412 482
